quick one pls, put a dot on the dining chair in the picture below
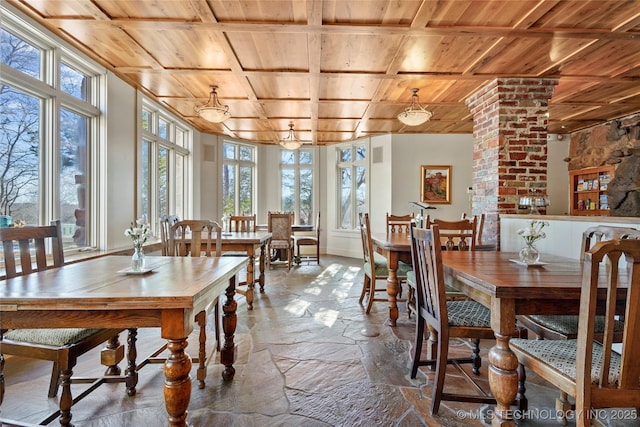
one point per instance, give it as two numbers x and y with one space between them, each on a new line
243 223
282 236
62 346
479 231
375 268
564 327
166 221
399 223
589 367
197 238
444 319
456 235
309 241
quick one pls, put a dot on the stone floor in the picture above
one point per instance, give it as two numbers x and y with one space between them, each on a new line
307 355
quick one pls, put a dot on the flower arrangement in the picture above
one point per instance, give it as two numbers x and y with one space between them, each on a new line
138 233
533 232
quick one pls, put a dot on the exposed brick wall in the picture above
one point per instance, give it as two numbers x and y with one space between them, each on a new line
510 145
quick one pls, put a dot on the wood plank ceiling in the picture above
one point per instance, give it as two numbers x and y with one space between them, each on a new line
340 70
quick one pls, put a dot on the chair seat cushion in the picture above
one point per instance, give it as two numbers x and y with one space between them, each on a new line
561 356
468 313
568 324
281 244
52 337
381 269
411 281
306 240
234 253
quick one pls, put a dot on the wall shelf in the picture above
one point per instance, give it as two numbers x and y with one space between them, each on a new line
589 190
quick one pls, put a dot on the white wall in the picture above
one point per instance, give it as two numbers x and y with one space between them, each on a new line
120 165
410 152
564 233
558 175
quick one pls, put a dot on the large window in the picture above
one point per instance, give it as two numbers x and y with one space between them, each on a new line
352 165
296 184
238 178
163 165
48 104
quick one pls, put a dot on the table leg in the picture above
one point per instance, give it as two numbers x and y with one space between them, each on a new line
503 363
131 373
250 279
392 287
229 323
177 384
262 267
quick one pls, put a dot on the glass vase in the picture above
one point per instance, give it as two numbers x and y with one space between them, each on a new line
529 254
137 259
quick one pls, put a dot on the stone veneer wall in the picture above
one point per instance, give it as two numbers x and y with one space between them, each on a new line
614 143
510 145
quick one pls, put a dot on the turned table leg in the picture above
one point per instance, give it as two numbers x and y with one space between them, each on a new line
229 322
177 384
392 287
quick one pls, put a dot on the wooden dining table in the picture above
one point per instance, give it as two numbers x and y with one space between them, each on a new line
510 289
99 293
251 243
395 247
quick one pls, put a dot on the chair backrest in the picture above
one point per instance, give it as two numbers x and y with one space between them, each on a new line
28 239
280 226
480 229
186 238
399 223
166 221
607 390
316 226
243 223
457 235
367 243
431 299
601 233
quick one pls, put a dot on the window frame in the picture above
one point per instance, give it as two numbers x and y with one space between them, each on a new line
296 167
53 99
175 151
353 164
237 164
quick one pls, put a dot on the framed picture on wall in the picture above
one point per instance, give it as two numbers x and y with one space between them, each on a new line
435 184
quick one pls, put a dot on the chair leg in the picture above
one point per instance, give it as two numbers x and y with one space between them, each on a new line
216 313
365 288
562 407
318 253
201 373
372 294
477 360
441 368
521 399
55 380
417 348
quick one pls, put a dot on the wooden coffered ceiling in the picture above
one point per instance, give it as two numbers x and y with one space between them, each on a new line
341 70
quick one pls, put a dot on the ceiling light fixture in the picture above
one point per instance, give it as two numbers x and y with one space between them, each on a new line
415 114
213 111
290 142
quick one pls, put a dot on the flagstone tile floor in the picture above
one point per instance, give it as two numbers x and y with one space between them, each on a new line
307 355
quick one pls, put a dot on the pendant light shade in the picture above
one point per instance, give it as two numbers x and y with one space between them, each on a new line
213 111
415 114
290 142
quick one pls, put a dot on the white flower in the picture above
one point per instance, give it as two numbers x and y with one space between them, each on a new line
533 232
139 233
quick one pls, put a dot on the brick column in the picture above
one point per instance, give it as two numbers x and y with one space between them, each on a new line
510 145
